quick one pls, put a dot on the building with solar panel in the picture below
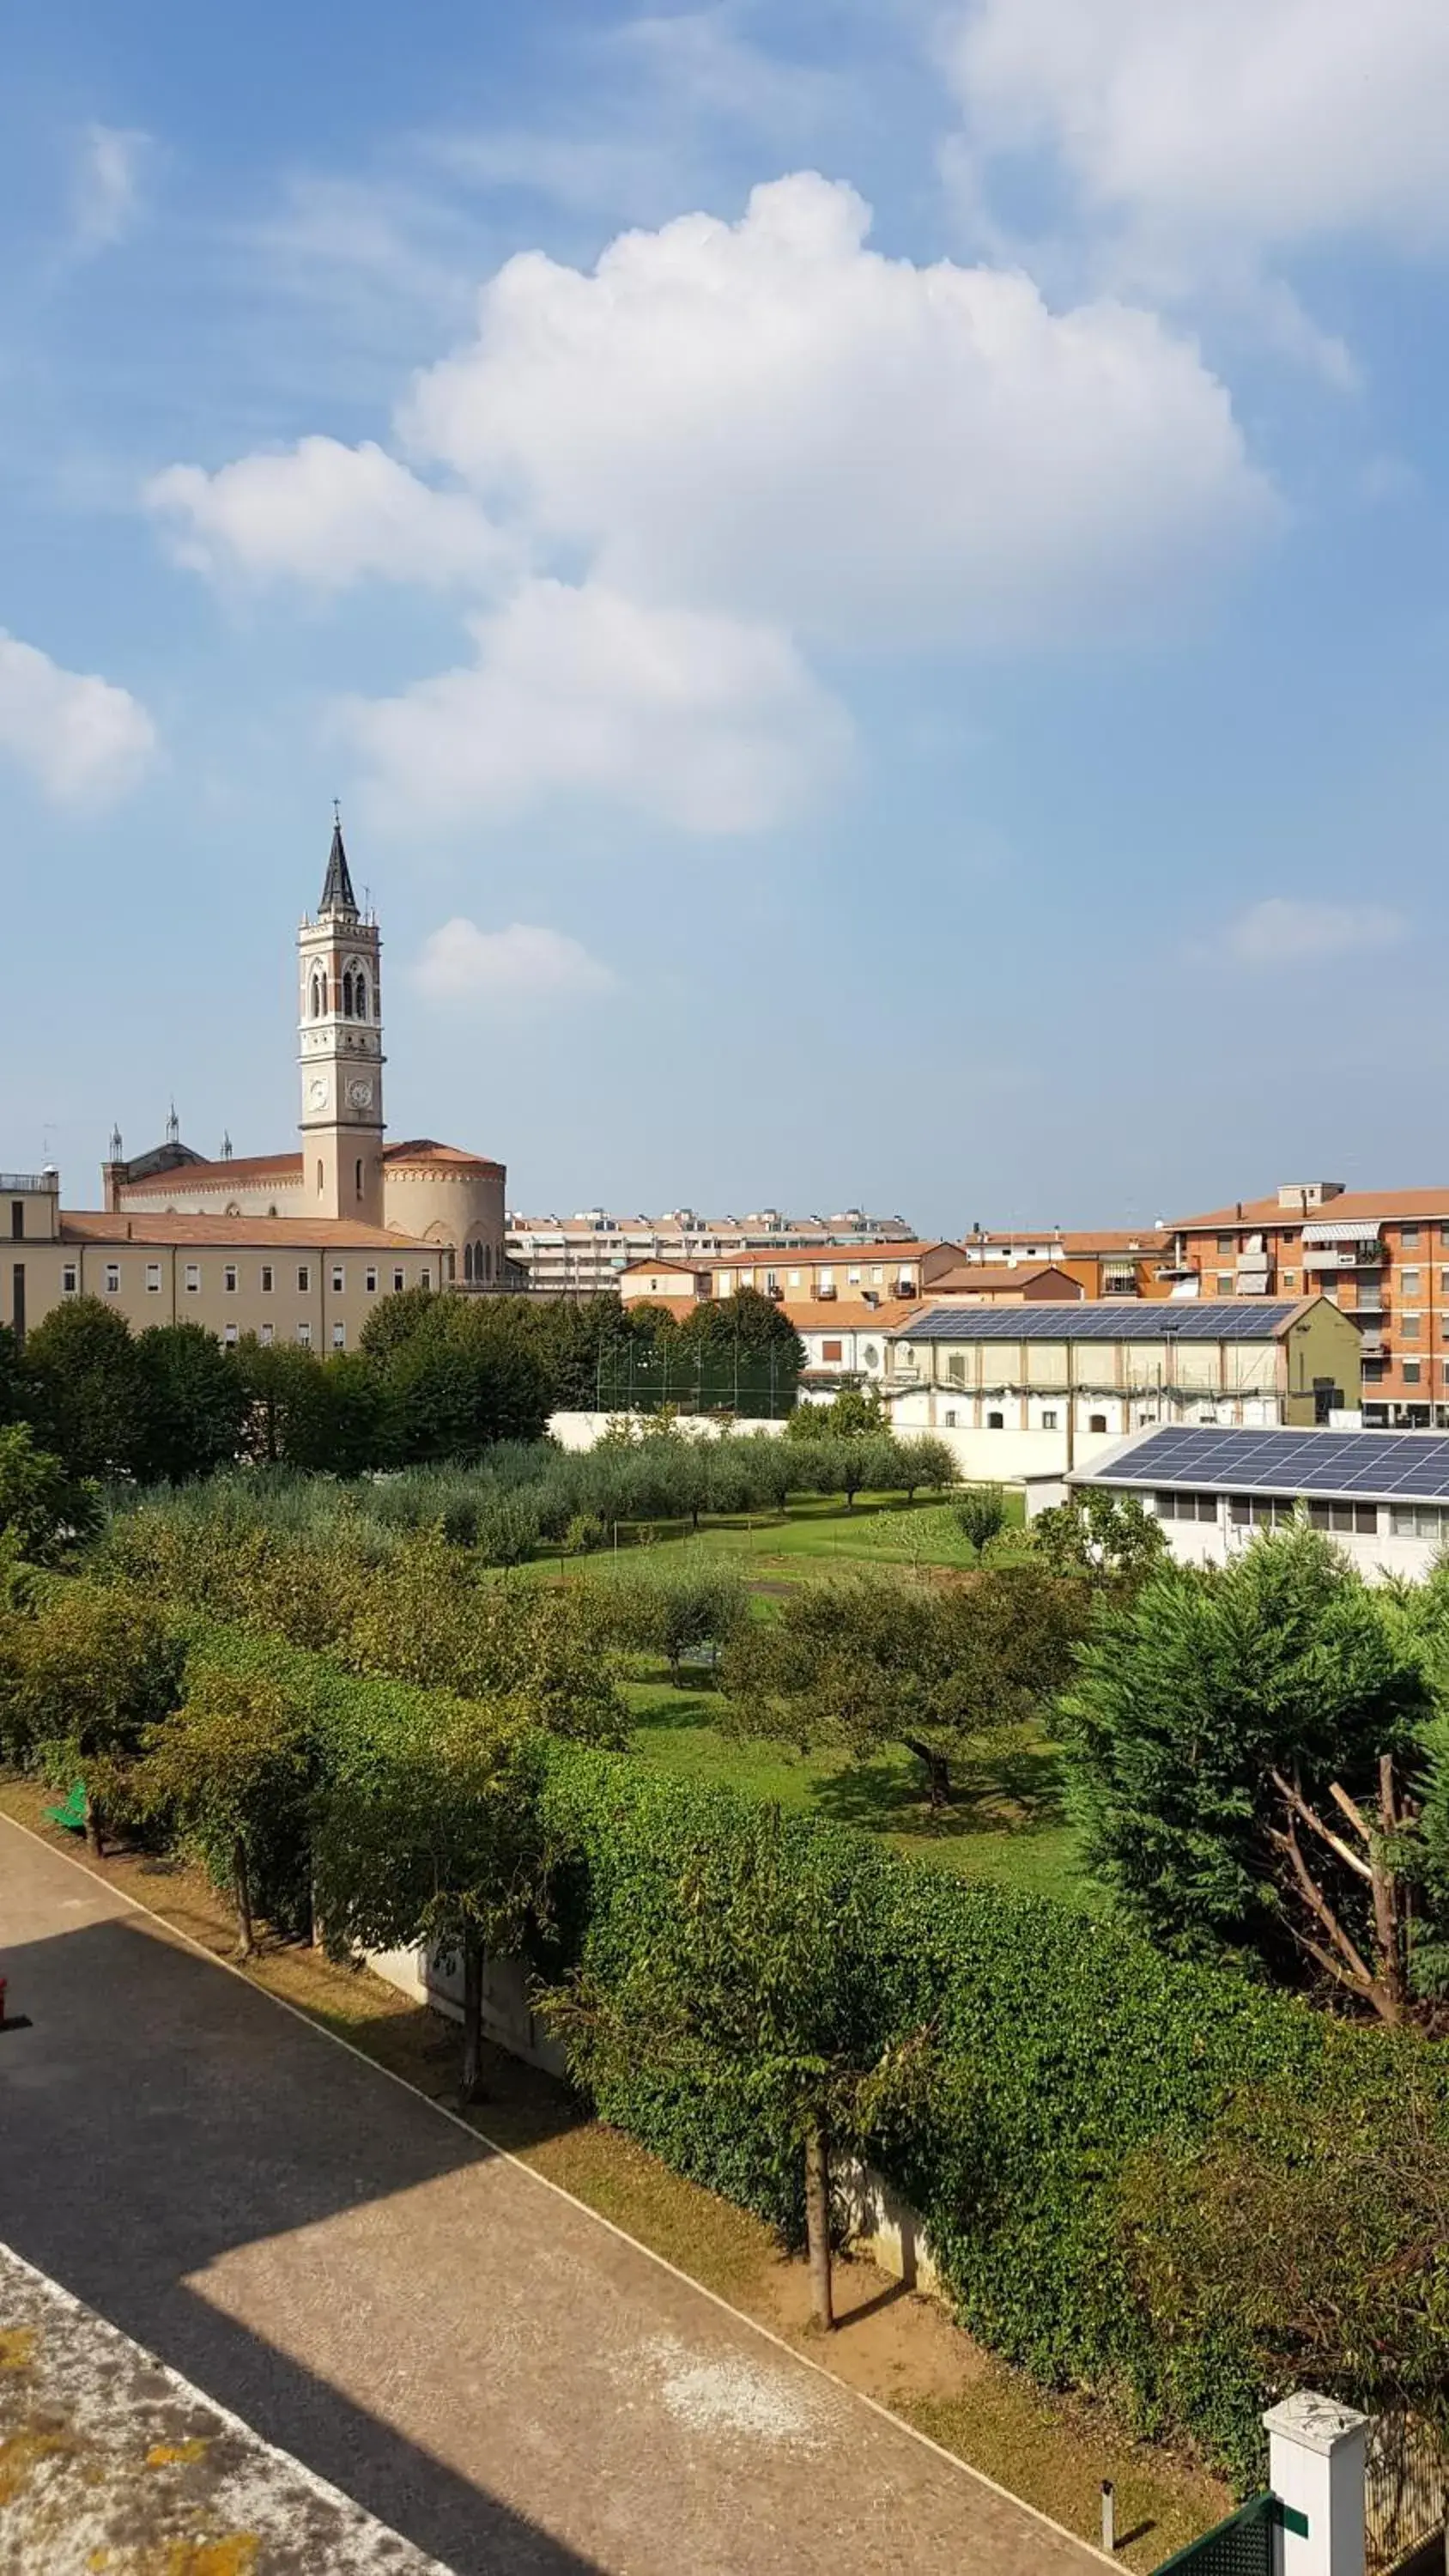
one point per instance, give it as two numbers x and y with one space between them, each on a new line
1382 1495
1025 1391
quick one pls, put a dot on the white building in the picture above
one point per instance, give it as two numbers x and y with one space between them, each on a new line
1382 1495
581 1254
1021 1391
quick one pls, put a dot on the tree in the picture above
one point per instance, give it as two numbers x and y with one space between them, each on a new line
83 1673
853 1413
429 1835
980 1515
677 1609
1107 1539
450 1398
232 1767
878 1661
924 1462
410 1313
14 1390
1194 1699
89 1405
193 1400
1312 2228
42 1509
742 1992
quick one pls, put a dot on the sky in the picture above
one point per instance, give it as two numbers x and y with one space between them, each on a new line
870 576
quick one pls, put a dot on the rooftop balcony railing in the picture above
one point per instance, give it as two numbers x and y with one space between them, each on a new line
18 1184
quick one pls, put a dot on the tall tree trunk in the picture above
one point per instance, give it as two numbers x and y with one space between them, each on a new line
938 1771
95 1828
472 2016
242 1891
817 2226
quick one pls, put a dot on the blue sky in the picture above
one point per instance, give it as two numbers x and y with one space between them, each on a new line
871 579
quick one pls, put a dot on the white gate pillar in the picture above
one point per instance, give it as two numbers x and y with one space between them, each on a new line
1317 2452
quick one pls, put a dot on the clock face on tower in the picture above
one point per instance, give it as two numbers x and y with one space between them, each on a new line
317 1090
360 1094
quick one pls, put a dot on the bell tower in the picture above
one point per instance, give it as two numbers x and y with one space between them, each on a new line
340 1050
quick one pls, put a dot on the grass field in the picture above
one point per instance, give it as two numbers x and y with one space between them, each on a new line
1004 1824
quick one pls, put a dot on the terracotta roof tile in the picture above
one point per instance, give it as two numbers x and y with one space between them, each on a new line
258 1233
1390 1206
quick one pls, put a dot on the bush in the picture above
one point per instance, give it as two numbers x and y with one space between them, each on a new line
980 1514
585 1535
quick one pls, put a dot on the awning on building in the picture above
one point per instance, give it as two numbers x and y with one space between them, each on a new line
1343 1229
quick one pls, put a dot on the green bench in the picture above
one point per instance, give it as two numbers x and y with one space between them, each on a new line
73 1814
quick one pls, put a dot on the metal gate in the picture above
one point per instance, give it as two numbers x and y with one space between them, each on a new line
1241 2546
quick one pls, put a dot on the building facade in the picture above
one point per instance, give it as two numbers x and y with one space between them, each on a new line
1027 1390
1383 1498
1106 1262
294 1247
581 1255
433 1193
1380 1255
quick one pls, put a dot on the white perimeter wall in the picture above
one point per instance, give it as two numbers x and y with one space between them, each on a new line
581 1430
1214 1543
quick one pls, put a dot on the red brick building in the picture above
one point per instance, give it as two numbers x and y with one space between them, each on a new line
1382 1255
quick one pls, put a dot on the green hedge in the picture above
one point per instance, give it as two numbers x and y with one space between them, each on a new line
1067 2044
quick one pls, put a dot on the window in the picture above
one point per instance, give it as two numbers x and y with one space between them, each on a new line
397 1280
951 1421
304 1279
266 1337
339 1279
304 1334
17 1220
1049 1420
347 995
852 1278
1408 1283
1260 1511
228 1278
339 1337
357 1176
996 1422
794 1278
1172 1506
1290 1278
831 1350
1359 1520
370 1283
1225 1283
266 1278
229 1333
153 1278
1227 1243
1417 1520
876 1276
361 989
316 997
956 1368
1411 1372
1373 1371
827 1278
425 1278
1409 1238
193 1278
113 1277
1409 1328
1096 1422
68 1279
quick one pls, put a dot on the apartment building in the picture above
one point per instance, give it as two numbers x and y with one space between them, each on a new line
1380 1255
1023 1283
580 1255
283 1278
1106 1262
1032 1390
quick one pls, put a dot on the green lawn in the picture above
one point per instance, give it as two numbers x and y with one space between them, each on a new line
817 1535
1004 1824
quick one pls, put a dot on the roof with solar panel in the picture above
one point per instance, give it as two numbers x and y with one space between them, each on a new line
1335 1466
1237 1319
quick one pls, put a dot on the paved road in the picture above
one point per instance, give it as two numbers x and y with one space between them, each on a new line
479 2362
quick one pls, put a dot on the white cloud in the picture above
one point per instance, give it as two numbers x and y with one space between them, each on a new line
1281 120
705 722
1281 932
769 420
83 740
524 963
106 185
328 514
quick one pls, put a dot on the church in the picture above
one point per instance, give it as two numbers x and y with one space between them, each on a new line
294 1245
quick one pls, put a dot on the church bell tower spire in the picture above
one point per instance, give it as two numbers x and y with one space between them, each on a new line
340 1049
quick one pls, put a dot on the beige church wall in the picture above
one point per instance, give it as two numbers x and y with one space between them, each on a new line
285 1306
438 1203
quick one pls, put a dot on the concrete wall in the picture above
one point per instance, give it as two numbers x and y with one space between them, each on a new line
1377 1557
506 2016
581 1430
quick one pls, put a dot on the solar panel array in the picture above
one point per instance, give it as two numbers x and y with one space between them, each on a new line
1162 1321
1331 1465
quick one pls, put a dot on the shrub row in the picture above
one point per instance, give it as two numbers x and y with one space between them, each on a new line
1080 2073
